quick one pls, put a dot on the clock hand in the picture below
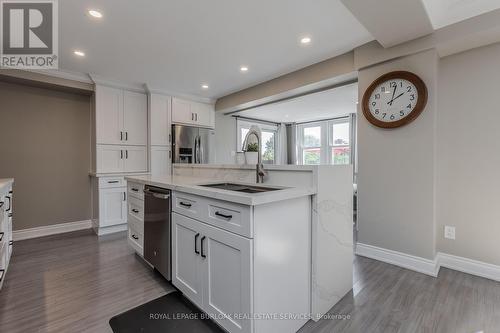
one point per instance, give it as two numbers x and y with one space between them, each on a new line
395 98
393 93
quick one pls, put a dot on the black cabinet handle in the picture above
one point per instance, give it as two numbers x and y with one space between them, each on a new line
1 204
121 154
196 243
135 237
112 181
121 136
11 242
185 204
10 215
228 217
3 272
135 189
126 154
1 235
201 245
126 136
124 196
8 209
135 211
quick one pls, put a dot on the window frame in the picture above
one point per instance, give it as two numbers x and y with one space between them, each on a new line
243 123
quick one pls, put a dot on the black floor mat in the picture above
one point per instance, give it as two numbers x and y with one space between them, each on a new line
167 314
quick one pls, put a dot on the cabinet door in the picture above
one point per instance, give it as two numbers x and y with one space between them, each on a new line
109 158
227 271
112 206
204 114
186 262
109 115
160 120
181 111
136 159
160 160
135 118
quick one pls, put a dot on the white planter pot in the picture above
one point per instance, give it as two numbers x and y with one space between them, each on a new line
252 157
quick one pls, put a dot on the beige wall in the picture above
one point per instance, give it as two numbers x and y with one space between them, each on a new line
468 182
396 169
45 146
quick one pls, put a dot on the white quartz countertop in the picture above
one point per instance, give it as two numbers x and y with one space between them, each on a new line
192 185
5 182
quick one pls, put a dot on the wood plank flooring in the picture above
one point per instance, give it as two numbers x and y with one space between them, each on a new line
76 282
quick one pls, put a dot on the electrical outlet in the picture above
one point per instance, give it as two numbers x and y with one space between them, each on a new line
449 232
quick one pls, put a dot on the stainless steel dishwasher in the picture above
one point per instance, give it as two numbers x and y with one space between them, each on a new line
157 221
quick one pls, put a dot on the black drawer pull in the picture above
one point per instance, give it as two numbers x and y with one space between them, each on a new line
135 211
228 217
1 204
10 204
135 237
185 204
201 244
113 181
11 242
135 189
196 243
10 215
1 235
3 272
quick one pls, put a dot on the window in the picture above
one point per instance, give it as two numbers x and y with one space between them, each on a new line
269 139
326 142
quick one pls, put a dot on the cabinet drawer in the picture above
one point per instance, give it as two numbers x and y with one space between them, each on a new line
136 208
188 205
136 224
136 240
108 182
229 216
136 190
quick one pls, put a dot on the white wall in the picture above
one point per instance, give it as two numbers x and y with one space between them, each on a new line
396 169
225 139
468 180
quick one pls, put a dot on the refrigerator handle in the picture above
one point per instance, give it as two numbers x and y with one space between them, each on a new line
198 151
195 153
200 147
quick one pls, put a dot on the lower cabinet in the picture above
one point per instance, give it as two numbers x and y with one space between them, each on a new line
135 217
6 243
213 267
111 214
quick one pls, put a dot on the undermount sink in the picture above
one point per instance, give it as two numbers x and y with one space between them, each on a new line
242 188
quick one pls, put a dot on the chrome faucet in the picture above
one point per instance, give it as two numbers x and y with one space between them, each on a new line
259 168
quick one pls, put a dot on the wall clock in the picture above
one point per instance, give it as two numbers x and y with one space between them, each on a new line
394 99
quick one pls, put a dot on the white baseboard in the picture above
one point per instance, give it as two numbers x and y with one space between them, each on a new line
101 231
18 235
469 266
404 260
430 267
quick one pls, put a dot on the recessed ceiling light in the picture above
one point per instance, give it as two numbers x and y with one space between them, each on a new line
305 40
244 68
79 53
95 13
204 86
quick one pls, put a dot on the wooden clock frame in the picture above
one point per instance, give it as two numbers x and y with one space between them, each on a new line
421 103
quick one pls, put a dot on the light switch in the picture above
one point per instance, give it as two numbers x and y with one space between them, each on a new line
449 232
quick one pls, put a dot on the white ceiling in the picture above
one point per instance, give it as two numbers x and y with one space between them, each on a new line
322 105
446 12
177 45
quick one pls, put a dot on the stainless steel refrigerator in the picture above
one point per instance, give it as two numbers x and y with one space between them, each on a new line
192 144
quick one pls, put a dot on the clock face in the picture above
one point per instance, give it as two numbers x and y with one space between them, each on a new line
393 100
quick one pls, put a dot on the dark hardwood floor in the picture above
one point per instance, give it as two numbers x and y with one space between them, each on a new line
76 282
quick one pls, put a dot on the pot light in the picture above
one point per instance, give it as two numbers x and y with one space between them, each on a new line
204 86
305 40
95 13
244 68
79 53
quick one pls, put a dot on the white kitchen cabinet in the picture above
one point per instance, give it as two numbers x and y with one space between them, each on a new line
135 115
6 213
135 216
161 160
192 113
160 119
109 115
121 116
112 206
186 260
112 159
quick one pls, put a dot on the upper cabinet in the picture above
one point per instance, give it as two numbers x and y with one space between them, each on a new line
160 119
121 116
192 113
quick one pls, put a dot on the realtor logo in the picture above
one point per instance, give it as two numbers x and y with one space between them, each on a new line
28 34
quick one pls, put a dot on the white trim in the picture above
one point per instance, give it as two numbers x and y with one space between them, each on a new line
194 98
54 229
101 231
63 74
469 266
98 80
418 264
427 266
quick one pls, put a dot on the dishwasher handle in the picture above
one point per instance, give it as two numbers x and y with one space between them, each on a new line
156 194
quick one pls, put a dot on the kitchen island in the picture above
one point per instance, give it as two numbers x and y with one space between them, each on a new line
250 260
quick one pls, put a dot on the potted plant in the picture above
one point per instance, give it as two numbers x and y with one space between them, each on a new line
252 153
